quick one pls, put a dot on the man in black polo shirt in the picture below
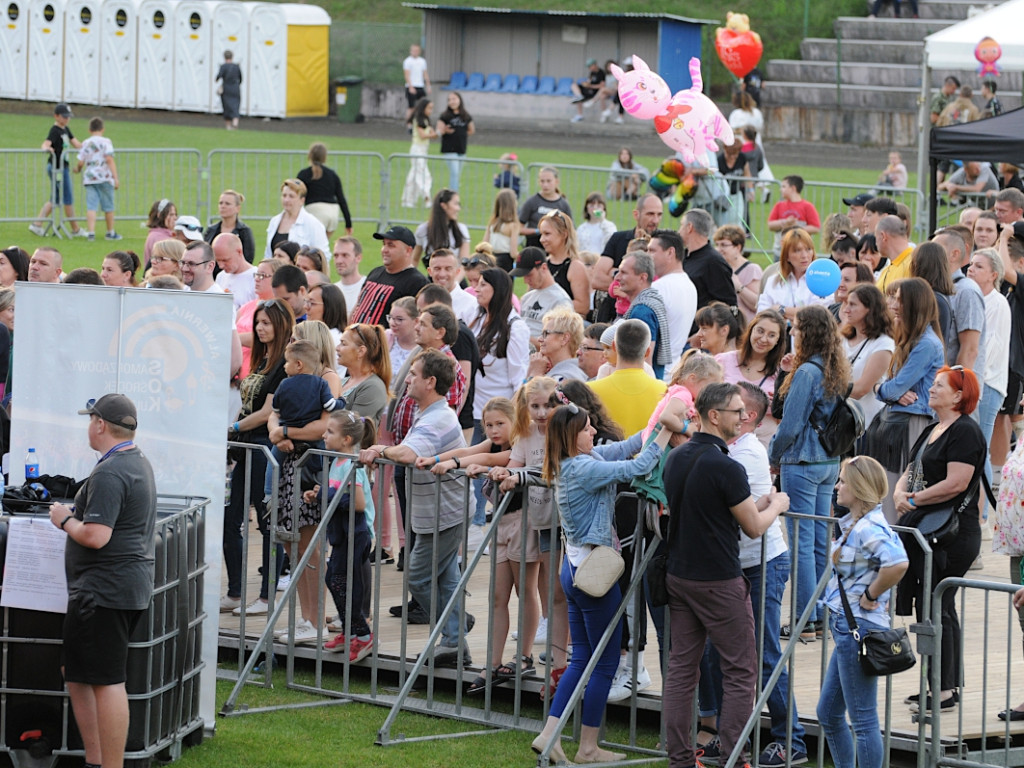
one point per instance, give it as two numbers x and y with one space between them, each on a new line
708 596
706 267
647 214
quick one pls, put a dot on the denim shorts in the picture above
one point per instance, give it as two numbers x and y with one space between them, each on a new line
99 197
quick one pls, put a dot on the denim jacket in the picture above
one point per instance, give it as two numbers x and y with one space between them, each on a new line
917 375
796 441
586 486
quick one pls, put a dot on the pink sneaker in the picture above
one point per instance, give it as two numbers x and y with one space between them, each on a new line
337 643
360 649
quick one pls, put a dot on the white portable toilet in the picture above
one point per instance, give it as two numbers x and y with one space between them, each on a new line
118 53
14 51
82 38
154 87
193 75
46 50
288 60
231 33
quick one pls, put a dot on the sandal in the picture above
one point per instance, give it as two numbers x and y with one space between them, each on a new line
549 690
505 672
479 685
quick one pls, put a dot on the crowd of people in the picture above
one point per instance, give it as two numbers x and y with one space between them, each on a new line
628 345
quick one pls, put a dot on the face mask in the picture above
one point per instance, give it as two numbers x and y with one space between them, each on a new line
837 509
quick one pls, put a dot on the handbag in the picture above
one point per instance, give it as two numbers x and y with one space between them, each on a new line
882 652
599 571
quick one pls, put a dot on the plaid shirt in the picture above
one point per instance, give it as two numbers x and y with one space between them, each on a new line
405 410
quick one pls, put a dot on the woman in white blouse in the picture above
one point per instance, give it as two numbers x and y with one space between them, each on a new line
867 329
295 223
786 290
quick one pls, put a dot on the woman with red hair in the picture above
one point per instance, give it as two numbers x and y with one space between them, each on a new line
946 468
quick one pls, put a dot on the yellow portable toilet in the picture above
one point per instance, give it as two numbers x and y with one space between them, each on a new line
14 51
118 53
288 60
82 38
46 50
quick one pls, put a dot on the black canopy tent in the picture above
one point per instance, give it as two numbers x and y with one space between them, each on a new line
993 140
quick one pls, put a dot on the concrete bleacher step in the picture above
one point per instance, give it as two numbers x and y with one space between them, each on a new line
879 51
867 97
868 73
914 30
945 9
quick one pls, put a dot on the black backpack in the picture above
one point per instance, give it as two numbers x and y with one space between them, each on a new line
843 427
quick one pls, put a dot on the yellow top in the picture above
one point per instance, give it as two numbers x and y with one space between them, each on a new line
630 396
897 269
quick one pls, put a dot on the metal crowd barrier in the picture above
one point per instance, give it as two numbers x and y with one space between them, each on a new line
258 173
29 188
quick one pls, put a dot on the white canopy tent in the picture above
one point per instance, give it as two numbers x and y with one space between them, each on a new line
953 48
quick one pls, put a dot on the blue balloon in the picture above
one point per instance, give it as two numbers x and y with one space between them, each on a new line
822 277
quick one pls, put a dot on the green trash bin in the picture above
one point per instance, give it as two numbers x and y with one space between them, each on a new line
348 98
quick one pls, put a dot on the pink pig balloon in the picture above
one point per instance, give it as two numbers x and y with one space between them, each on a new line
643 93
692 122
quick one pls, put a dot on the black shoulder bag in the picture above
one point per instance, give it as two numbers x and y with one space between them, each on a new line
882 651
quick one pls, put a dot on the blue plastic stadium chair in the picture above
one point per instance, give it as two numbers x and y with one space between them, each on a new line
511 84
457 83
529 84
475 82
564 87
493 84
546 87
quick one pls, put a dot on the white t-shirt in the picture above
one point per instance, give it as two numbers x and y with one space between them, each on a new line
415 66
351 293
465 307
789 292
421 238
537 303
241 285
529 452
997 340
680 296
863 350
749 452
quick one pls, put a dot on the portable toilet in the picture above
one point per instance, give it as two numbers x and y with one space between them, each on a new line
288 60
193 73
154 87
14 51
82 39
118 52
231 33
46 50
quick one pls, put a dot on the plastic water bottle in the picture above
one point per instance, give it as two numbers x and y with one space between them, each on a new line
31 464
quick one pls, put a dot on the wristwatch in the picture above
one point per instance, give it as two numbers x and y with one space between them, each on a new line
867 594
285 428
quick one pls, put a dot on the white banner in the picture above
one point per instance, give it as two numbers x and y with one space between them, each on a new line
170 352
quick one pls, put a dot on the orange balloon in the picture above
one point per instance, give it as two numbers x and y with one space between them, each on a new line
739 51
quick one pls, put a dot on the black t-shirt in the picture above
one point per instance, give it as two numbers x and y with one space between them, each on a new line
1015 298
536 208
254 389
244 234
736 169
455 142
58 137
381 290
326 189
617 244
711 276
704 544
962 442
465 348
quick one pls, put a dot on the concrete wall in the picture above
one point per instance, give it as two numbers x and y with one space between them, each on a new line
861 127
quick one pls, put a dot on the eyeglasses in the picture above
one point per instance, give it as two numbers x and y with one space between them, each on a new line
161 259
194 264
737 411
257 276
586 348
310 303
269 304
357 327
545 333
473 263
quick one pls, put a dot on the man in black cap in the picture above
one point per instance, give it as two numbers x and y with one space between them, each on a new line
63 193
397 278
857 204
109 564
544 294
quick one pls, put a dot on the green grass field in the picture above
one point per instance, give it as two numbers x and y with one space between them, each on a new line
254 162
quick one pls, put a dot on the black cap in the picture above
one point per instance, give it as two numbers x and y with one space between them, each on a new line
63 110
1018 230
861 199
115 408
402 234
529 259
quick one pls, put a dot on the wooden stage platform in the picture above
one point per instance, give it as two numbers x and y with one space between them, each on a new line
993 662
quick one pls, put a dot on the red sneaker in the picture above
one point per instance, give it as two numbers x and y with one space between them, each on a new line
360 649
336 643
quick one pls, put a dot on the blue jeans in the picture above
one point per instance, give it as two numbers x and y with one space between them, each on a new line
988 409
454 161
64 193
589 617
810 493
480 511
420 571
776 572
847 689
